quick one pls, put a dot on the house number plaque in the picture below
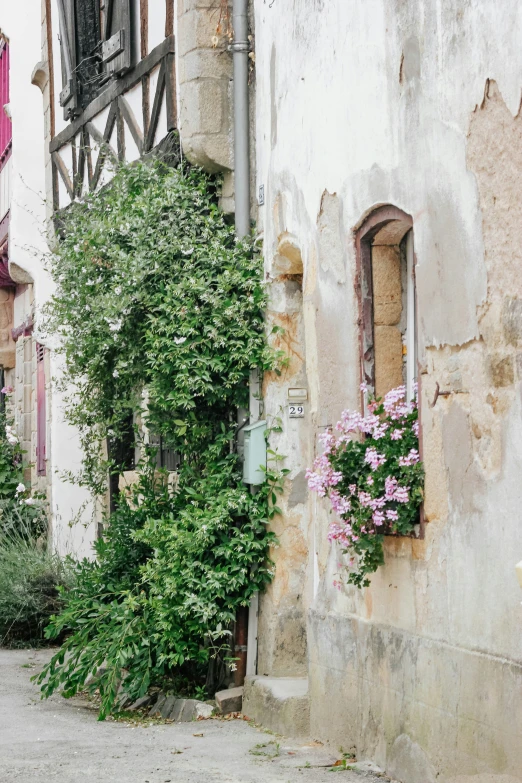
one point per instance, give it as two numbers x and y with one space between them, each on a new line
296 398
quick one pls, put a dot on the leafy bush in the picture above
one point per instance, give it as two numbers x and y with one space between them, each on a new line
168 579
374 482
158 301
155 292
29 579
29 573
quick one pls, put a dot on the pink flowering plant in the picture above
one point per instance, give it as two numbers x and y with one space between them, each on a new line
371 472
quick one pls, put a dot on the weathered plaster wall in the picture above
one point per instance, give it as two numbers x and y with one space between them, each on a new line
368 103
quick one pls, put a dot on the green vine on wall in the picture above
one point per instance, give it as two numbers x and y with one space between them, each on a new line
155 292
157 298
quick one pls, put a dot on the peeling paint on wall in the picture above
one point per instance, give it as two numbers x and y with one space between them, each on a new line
383 103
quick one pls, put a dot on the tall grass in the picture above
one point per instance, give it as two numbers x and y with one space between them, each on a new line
30 574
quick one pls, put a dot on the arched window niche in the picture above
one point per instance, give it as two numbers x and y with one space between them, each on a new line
386 274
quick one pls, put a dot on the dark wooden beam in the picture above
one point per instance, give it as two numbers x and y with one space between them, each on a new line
144 28
114 90
145 103
78 185
169 17
156 108
64 174
120 135
74 162
170 91
56 193
88 155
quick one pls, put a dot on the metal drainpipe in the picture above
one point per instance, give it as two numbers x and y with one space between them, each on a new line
240 49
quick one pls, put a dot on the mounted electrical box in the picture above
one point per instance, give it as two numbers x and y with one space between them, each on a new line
255 453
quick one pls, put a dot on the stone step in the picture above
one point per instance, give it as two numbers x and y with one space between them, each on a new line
280 704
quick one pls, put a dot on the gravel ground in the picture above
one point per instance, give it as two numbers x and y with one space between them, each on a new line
62 740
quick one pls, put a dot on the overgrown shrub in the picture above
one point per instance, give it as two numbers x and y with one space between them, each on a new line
157 300
29 573
156 293
169 576
30 576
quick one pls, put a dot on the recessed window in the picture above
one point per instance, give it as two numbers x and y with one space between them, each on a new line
387 301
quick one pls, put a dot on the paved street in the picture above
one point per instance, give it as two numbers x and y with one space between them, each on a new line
62 740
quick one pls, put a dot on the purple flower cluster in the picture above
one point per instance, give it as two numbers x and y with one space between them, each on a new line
411 458
362 507
322 477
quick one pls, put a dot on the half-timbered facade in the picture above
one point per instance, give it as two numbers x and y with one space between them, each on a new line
114 95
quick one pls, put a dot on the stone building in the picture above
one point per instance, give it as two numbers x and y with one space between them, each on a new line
386 155
388 147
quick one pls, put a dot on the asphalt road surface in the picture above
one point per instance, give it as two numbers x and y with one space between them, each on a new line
62 740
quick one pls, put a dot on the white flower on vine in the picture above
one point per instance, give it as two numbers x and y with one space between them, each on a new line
20 488
11 436
115 374
179 340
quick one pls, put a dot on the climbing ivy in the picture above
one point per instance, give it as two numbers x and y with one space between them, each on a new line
159 310
155 294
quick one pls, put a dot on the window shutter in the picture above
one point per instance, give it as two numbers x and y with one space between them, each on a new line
69 93
116 48
40 411
88 45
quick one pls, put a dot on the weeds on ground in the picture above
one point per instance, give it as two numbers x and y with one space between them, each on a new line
269 750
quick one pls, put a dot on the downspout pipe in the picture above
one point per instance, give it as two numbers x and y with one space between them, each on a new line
240 49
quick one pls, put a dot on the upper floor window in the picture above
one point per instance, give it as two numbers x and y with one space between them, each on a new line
388 323
96 46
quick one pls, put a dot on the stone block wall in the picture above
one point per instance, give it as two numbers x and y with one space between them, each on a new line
204 73
387 313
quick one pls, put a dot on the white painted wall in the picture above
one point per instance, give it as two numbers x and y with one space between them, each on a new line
27 244
28 249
